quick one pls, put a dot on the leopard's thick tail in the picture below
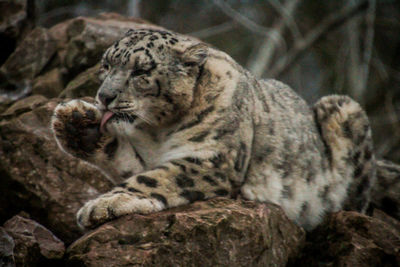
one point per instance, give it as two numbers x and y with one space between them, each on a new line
386 192
346 132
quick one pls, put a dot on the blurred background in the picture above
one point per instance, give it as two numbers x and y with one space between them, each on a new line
318 47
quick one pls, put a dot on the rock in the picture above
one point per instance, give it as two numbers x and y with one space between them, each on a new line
59 33
217 232
6 249
30 57
378 214
33 243
85 84
24 105
27 61
89 37
15 20
49 84
351 239
38 177
388 181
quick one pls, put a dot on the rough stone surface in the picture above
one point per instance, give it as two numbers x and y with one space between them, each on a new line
33 242
351 239
30 56
49 84
14 23
380 215
387 181
85 84
24 105
59 33
36 176
217 232
6 249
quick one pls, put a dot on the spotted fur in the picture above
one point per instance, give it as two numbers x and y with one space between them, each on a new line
190 124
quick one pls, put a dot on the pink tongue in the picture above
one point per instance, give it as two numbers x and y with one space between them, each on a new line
104 120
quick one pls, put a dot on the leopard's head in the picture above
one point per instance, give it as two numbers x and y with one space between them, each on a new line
149 75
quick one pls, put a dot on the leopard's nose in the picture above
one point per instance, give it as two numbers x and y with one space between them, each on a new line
106 99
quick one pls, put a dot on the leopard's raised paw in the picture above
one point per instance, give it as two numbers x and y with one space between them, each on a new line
76 127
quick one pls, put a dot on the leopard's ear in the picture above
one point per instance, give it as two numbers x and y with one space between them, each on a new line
129 32
195 55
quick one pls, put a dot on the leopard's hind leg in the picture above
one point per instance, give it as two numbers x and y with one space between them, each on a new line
346 132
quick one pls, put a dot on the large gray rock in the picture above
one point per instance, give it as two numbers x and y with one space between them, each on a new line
50 84
351 239
15 20
24 64
6 249
30 57
24 105
34 244
386 192
84 84
217 232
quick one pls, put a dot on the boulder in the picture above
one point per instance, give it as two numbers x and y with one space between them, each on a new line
50 84
84 84
6 249
36 176
24 64
351 239
387 181
217 232
15 20
30 56
24 105
34 244
380 215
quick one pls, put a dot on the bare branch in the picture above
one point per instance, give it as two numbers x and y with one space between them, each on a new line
331 22
394 122
214 30
246 22
338 68
261 61
288 18
369 40
381 68
360 61
354 75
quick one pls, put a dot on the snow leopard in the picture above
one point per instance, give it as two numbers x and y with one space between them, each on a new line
178 121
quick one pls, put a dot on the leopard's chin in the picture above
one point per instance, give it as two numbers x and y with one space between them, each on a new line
119 124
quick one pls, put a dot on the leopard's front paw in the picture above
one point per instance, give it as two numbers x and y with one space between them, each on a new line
115 204
76 126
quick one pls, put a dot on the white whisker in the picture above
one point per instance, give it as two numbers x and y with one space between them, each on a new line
126 112
145 119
